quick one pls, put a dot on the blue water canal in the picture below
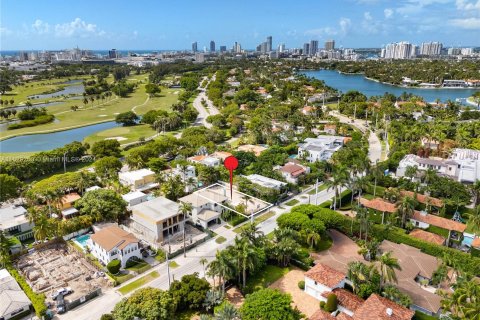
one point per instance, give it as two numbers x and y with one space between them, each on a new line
49 141
346 82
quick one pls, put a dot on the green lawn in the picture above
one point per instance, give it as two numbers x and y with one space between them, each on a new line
138 283
320 188
292 202
15 155
133 133
437 230
220 240
265 277
100 111
140 267
173 264
258 219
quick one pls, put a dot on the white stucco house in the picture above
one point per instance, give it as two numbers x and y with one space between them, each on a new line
134 198
13 300
320 148
14 221
112 243
206 208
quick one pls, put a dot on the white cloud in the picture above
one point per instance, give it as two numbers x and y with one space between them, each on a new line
5 31
417 6
367 16
344 25
468 23
77 27
40 27
467 6
388 13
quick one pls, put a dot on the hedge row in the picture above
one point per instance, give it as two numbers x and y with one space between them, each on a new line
37 299
32 123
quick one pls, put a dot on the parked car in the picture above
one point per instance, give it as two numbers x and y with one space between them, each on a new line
62 292
61 307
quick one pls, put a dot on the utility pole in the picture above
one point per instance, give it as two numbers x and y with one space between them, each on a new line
354 112
376 168
168 261
316 192
184 248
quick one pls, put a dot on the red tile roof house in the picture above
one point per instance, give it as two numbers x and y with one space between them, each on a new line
423 220
322 280
292 171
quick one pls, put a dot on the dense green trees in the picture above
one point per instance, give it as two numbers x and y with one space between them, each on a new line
107 168
146 303
102 205
268 304
106 148
10 187
152 89
123 88
128 118
189 293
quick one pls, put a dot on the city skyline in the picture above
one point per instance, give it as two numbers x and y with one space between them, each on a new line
31 25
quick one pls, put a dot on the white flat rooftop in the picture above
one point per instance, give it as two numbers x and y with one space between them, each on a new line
12 216
133 195
155 210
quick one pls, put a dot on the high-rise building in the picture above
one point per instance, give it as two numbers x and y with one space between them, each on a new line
112 54
194 46
264 47
466 51
269 43
313 47
281 48
454 51
212 46
431 48
223 48
400 50
306 49
330 45
237 47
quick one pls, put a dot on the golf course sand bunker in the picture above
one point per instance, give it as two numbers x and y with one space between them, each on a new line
116 138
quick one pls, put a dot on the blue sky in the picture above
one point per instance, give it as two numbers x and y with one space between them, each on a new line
147 24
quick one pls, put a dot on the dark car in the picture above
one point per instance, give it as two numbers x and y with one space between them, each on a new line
61 307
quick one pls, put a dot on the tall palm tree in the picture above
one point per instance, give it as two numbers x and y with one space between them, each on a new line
386 267
464 303
339 179
203 261
185 209
362 217
252 232
42 227
248 259
223 267
357 274
406 209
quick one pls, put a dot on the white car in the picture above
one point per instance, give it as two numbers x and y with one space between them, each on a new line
61 291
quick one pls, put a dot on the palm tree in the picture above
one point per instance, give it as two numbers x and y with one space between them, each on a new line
339 178
248 258
203 261
474 219
362 217
185 209
357 274
42 227
5 244
406 209
252 232
387 266
475 190
227 312
222 267
313 238
464 303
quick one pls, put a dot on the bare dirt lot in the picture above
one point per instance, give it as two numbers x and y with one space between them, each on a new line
58 265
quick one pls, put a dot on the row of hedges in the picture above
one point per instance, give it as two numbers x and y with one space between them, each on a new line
32 123
37 299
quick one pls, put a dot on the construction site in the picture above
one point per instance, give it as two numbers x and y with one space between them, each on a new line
58 265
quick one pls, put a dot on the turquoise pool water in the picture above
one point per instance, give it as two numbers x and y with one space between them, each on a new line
467 241
82 240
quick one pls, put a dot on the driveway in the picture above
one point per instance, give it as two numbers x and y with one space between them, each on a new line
343 251
289 284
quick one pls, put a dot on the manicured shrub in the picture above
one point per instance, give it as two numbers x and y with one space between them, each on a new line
114 266
331 304
322 305
301 284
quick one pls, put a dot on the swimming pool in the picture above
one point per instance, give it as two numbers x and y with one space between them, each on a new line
82 241
467 239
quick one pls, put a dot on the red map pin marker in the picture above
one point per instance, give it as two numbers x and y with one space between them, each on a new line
231 163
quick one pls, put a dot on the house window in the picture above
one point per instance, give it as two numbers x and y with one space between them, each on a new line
315 282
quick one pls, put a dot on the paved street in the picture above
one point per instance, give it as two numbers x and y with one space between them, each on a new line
105 303
375 147
203 112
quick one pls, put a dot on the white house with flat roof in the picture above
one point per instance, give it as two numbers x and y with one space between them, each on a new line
13 300
113 243
320 148
135 197
206 208
138 180
463 165
156 220
13 220
266 182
